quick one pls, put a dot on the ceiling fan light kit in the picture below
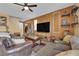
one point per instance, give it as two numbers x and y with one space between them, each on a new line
26 8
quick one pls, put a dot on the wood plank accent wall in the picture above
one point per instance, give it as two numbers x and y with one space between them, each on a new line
55 19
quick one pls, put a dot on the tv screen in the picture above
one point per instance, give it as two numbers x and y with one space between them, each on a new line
43 27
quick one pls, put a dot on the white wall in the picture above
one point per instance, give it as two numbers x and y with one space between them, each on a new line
14 25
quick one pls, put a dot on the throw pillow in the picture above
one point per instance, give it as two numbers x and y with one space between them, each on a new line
7 42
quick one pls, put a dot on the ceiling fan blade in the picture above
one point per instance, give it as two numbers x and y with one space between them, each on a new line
25 4
32 5
23 9
19 4
31 10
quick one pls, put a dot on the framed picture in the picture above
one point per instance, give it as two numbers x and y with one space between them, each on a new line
3 24
64 21
2 20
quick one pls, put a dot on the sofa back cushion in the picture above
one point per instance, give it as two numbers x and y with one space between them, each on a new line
74 42
4 34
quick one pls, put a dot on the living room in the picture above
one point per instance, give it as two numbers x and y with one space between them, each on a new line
39 29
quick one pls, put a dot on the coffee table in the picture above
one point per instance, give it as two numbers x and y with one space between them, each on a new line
33 38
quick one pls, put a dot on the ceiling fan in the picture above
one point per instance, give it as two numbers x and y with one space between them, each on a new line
26 6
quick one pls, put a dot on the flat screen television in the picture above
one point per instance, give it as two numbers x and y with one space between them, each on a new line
43 27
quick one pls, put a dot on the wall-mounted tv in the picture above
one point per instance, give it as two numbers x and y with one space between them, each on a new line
43 27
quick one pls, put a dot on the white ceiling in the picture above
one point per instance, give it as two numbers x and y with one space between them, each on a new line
41 9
